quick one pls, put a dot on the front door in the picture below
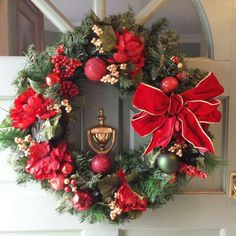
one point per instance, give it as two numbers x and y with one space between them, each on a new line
202 208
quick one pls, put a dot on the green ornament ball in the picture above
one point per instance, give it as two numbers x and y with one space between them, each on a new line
168 163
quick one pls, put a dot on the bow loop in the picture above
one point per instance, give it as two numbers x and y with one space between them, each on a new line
151 100
206 89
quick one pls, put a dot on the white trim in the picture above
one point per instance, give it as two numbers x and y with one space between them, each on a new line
99 8
54 15
148 11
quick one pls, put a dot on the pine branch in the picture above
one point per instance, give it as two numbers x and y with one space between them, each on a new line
7 137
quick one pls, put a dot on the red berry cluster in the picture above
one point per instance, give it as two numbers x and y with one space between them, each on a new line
68 89
64 67
192 171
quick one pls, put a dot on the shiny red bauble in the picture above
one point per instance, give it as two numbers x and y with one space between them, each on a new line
181 76
101 164
57 183
95 68
52 79
175 59
81 201
169 84
67 169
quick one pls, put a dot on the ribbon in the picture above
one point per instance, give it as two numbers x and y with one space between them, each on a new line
164 116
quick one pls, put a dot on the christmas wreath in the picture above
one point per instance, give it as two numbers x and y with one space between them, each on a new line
175 104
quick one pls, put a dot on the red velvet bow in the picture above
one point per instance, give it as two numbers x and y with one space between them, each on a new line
163 116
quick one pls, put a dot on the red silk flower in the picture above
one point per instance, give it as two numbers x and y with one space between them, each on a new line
44 163
130 48
28 107
162 115
128 200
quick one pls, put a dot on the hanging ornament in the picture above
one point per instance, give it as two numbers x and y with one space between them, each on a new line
81 201
101 163
169 84
57 183
175 59
182 76
95 68
52 79
168 163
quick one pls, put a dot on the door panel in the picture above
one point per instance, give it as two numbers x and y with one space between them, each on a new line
214 232
37 204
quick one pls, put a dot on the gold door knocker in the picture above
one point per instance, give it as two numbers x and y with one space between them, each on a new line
101 138
232 190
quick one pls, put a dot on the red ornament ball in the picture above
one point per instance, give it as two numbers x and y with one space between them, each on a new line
57 183
67 169
81 201
169 84
101 164
182 76
175 59
52 79
95 68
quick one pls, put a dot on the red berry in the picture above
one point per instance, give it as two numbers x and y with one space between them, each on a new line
67 189
169 84
57 183
175 59
101 164
73 182
95 68
67 169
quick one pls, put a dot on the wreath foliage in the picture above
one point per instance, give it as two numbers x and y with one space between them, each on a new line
120 52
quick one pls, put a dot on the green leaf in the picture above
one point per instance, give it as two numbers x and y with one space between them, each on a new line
6 122
108 38
44 130
125 83
36 85
107 186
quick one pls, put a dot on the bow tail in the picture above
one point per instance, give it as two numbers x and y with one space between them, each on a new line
193 132
162 136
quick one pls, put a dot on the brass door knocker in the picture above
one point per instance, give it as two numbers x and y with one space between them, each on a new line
232 190
101 138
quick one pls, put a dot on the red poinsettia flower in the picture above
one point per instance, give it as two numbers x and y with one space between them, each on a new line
128 200
44 163
130 48
28 107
